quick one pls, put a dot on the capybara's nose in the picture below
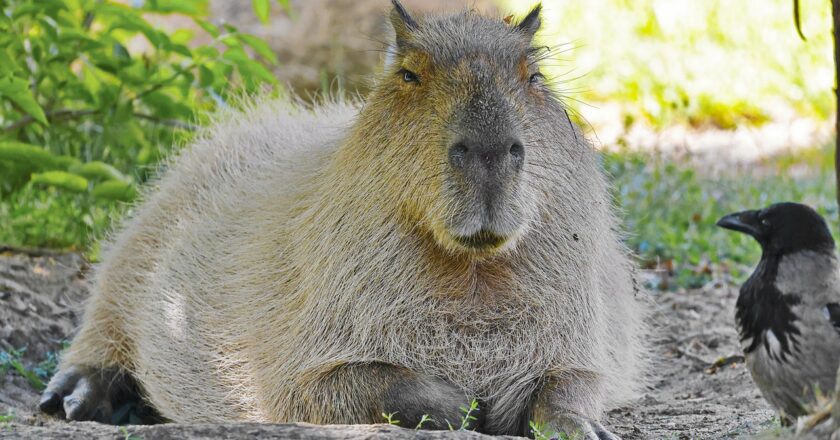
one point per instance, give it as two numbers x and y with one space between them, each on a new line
480 159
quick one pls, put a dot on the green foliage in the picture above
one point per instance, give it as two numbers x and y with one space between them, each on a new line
54 218
540 432
128 435
12 360
391 418
423 420
716 62
92 94
262 8
670 209
468 417
6 419
36 376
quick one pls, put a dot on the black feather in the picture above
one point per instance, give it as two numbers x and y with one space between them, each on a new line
761 306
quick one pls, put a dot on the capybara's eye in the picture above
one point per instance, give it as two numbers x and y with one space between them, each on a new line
409 77
535 78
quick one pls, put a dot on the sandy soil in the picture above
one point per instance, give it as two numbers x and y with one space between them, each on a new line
688 398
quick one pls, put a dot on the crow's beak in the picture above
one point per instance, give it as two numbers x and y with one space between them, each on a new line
744 221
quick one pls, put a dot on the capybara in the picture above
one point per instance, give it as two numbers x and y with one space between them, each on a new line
449 238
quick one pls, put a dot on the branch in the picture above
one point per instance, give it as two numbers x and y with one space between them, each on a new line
56 115
170 122
797 20
164 82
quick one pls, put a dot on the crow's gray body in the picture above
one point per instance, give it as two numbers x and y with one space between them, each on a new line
789 379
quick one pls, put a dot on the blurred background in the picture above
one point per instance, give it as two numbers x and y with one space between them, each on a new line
699 108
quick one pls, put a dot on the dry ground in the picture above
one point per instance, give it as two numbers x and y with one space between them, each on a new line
40 296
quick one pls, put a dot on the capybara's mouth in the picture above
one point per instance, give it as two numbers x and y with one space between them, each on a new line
481 240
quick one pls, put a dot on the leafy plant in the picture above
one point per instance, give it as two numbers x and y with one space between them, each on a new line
13 360
6 419
425 418
390 418
127 435
468 417
704 63
36 376
92 94
540 432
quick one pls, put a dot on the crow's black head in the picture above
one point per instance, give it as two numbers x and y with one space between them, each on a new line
783 228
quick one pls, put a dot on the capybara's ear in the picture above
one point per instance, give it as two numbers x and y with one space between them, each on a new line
403 23
531 23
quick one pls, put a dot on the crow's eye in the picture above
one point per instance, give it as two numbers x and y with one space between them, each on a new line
535 78
765 222
409 77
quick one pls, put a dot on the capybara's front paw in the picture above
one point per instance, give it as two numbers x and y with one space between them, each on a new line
581 428
105 395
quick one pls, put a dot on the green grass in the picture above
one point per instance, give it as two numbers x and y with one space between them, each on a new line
714 62
670 209
52 218
37 376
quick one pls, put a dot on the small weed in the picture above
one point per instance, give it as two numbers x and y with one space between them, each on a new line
38 375
541 432
8 418
13 360
468 415
467 418
390 418
128 435
423 420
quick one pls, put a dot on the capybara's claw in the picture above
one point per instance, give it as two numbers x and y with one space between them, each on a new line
50 402
585 429
91 394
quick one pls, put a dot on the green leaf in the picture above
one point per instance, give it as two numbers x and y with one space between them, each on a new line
164 106
115 190
186 7
207 52
262 9
208 27
97 170
7 63
237 56
230 40
17 90
34 157
257 70
60 179
205 76
182 36
260 47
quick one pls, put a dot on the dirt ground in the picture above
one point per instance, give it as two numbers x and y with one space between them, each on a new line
689 398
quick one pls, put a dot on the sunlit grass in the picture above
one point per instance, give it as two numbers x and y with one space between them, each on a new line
712 62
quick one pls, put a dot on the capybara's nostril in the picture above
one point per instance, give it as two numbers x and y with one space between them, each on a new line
517 150
458 155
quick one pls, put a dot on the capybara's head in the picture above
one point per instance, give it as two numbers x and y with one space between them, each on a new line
461 112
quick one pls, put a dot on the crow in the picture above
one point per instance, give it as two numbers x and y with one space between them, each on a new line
790 348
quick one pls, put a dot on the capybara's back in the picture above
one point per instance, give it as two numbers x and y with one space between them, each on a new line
451 238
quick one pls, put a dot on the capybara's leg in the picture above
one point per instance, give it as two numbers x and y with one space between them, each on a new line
105 395
93 382
568 403
363 392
